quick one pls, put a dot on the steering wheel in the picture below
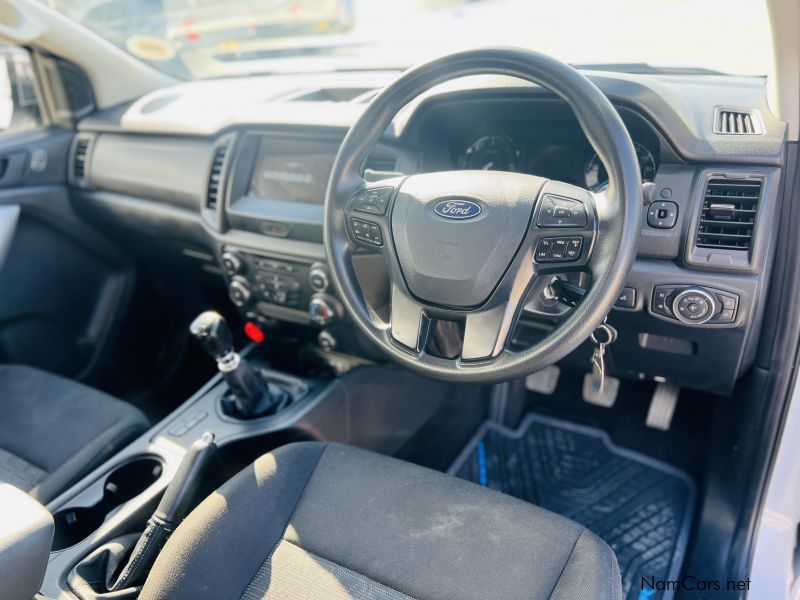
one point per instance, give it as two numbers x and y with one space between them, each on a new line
466 246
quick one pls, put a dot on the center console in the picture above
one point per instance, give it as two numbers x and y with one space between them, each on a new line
267 191
247 409
264 285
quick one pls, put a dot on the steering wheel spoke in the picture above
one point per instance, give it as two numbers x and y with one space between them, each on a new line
410 326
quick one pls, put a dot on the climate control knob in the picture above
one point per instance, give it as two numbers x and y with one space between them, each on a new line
324 309
232 264
694 306
318 278
239 291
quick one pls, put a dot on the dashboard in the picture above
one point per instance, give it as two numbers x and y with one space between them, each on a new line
240 199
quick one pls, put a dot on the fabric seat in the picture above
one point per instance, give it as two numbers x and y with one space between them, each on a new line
326 521
53 430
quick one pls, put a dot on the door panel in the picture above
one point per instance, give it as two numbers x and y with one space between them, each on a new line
64 288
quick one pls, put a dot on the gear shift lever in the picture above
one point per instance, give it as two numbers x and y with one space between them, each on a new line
252 395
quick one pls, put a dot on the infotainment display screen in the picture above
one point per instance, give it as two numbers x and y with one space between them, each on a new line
292 170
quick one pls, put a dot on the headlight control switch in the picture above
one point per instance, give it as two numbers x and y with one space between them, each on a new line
694 305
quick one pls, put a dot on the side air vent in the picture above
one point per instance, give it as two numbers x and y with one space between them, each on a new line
729 213
729 121
80 156
215 176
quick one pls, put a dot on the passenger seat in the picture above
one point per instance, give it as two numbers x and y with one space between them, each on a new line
53 430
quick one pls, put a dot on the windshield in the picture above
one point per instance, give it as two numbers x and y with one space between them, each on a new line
216 38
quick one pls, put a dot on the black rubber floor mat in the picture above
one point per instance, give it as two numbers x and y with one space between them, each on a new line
642 508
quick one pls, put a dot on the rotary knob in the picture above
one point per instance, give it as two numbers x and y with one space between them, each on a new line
324 309
694 306
318 278
232 264
239 291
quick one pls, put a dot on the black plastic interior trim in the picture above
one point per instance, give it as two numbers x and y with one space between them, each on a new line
778 354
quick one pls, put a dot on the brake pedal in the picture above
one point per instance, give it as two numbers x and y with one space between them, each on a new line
605 397
662 406
544 381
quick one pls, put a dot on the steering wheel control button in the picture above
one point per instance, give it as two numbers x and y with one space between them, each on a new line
366 232
560 249
662 215
626 299
574 246
373 201
694 306
561 212
543 249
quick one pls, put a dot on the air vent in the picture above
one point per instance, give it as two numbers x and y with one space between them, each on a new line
729 121
729 214
215 177
80 155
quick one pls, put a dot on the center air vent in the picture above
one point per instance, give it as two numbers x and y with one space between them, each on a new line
215 176
729 213
729 121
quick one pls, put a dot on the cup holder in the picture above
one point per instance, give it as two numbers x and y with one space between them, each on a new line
127 481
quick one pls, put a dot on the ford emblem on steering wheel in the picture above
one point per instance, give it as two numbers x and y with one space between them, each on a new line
457 209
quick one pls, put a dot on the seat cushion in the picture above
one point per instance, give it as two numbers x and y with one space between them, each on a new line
54 430
313 520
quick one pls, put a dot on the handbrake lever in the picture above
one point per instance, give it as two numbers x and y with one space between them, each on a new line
170 512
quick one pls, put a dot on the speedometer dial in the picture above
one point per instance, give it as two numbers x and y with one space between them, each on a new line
491 153
596 177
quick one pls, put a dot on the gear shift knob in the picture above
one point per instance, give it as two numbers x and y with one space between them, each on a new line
212 331
251 393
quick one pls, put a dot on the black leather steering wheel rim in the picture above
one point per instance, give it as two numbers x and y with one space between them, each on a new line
618 208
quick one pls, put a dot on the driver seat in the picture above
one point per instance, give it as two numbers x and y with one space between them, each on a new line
332 522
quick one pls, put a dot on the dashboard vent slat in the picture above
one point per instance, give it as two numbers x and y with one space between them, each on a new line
80 156
215 176
728 121
729 212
